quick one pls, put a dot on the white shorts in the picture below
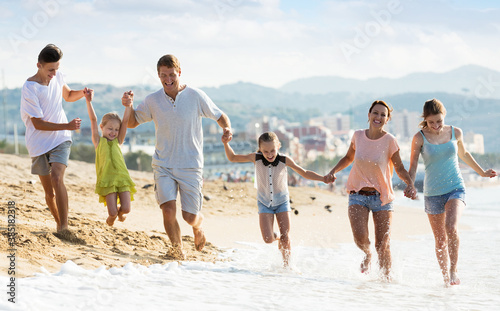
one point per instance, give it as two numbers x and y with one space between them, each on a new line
188 181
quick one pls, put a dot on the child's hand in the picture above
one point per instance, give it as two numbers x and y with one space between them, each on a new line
89 94
128 99
227 136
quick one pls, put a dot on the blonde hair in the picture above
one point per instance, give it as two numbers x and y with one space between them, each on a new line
268 137
110 116
432 107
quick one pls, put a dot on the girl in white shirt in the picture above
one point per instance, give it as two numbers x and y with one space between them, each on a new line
272 187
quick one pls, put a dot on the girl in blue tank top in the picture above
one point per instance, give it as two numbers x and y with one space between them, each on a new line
444 191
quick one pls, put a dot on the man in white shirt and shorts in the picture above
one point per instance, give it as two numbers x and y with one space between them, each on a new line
177 111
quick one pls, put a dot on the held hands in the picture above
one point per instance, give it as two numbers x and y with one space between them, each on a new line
128 99
74 124
89 94
411 192
329 178
227 135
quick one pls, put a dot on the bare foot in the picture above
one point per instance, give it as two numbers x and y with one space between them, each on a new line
122 218
111 220
365 264
199 239
175 252
454 280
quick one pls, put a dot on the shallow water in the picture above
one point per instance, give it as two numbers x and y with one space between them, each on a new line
252 279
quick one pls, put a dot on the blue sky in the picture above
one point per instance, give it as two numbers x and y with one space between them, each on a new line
267 42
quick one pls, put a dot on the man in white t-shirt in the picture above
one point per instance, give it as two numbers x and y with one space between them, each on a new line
177 111
48 136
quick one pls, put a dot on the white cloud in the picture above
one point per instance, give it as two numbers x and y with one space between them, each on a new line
224 41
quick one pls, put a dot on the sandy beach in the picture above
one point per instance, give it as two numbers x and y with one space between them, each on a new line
230 218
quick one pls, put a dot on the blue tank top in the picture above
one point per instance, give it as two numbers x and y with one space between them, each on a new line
442 173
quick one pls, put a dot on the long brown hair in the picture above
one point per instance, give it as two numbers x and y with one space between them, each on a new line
432 107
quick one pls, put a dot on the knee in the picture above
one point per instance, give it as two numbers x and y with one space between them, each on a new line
49 195
451 229
383 246
441 242
284 238
125 207
56 178
168 214
269 238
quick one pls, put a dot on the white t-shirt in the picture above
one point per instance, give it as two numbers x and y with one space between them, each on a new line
45 102
179 132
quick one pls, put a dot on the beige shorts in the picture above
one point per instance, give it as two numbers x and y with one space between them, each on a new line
187 181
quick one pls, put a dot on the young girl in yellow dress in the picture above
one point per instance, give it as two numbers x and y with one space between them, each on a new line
113 184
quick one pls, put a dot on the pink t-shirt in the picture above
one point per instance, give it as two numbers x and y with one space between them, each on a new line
372 166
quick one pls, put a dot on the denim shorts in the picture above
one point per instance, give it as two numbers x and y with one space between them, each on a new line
41 165
371 202
435 204
283 207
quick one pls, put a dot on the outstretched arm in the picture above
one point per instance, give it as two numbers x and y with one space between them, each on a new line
304 173
469 159
343 163
225 124
127 115
231 156
128 102
70 95
89 96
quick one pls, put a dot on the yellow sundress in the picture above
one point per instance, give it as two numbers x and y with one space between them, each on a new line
111 170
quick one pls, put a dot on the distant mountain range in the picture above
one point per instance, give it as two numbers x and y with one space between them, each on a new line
467 80
470 93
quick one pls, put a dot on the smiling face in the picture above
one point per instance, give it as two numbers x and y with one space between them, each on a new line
435 122
378 116
269 149
47 71
169 78
111 129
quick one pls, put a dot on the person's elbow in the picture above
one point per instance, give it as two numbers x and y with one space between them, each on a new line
37 123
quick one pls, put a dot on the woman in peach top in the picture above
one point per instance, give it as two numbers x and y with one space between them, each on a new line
374 154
